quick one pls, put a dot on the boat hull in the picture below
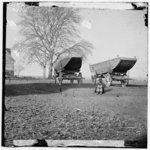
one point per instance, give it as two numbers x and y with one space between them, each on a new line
69 64
117 65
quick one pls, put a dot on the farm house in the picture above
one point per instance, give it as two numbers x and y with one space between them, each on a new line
9 68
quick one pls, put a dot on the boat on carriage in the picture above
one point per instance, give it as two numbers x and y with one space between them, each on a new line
68 68
113 70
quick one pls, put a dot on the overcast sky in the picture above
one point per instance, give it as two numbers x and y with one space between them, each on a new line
112 31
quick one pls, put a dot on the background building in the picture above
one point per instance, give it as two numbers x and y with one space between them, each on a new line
9 72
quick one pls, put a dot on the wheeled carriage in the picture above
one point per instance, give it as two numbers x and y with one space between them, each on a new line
113 70
68 68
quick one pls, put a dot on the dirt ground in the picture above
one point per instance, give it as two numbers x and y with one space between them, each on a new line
36 109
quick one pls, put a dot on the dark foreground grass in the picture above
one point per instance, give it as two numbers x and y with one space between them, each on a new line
32 120
40 111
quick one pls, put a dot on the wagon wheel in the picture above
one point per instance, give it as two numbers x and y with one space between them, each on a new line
60 81
94 79
71 81
55 79
108 79
80 78
78 81
127 82
124 83
127 79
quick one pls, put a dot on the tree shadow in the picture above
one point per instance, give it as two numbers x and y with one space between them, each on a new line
137 85
40 88
49 88
31 88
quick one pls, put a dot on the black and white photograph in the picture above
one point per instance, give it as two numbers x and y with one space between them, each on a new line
75 74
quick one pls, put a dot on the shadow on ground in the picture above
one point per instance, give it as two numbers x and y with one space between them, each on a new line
136 85
130 85
40 88
48 88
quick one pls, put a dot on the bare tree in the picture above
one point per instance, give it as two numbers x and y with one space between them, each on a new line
49 33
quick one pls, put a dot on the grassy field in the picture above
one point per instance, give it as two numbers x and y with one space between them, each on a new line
37 110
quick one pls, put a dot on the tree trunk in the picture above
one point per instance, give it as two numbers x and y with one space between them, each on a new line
50 71
44 72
